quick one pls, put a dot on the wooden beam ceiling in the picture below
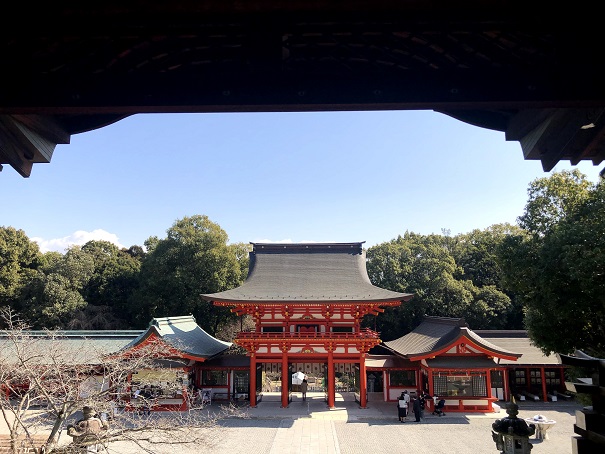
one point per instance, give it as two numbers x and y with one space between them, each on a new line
528 69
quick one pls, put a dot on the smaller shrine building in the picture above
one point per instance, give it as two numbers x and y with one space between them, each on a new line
180 346
472 371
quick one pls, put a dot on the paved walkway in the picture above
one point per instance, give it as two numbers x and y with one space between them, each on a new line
311 428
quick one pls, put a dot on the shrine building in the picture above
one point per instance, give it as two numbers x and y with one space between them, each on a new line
473 369
178 345
307 301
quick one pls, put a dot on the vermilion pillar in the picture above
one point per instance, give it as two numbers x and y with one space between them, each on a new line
543 384
363 386
331 384
488 384
252 380
506 385
431 391
285 392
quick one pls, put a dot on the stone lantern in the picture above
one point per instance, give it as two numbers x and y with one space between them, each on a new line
511 434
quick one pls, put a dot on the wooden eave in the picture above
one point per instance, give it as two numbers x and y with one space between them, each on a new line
295 303
528 69
329 341
480 363
292 307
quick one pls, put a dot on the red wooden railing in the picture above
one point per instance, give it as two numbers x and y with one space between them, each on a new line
361 334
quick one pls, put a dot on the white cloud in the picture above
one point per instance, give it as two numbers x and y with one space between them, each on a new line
78 238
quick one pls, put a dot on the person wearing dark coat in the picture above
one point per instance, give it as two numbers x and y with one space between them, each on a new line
303 388
424 396
417 409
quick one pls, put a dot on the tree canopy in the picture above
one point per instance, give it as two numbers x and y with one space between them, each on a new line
100 286
558 266
194 258
55 293
114 280
545 274
19 259
430 267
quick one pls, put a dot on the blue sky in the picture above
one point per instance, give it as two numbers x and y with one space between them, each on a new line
331 176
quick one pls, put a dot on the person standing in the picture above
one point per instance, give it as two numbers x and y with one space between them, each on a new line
421 403
303 388
371 383
402 407
416 407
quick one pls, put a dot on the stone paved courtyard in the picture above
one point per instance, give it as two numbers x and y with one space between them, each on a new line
311 428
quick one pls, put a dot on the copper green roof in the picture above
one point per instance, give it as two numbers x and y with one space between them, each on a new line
307 272
183 334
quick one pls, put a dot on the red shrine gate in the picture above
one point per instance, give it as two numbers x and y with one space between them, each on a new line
307 301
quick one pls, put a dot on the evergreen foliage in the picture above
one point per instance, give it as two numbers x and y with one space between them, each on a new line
547 274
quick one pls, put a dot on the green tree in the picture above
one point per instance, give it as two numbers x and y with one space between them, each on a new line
488 309
19 259
560 270
477 254
107 292
553 198
54 295
425 266
194 258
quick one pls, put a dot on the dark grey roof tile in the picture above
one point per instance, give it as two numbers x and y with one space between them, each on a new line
435 333
307 272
